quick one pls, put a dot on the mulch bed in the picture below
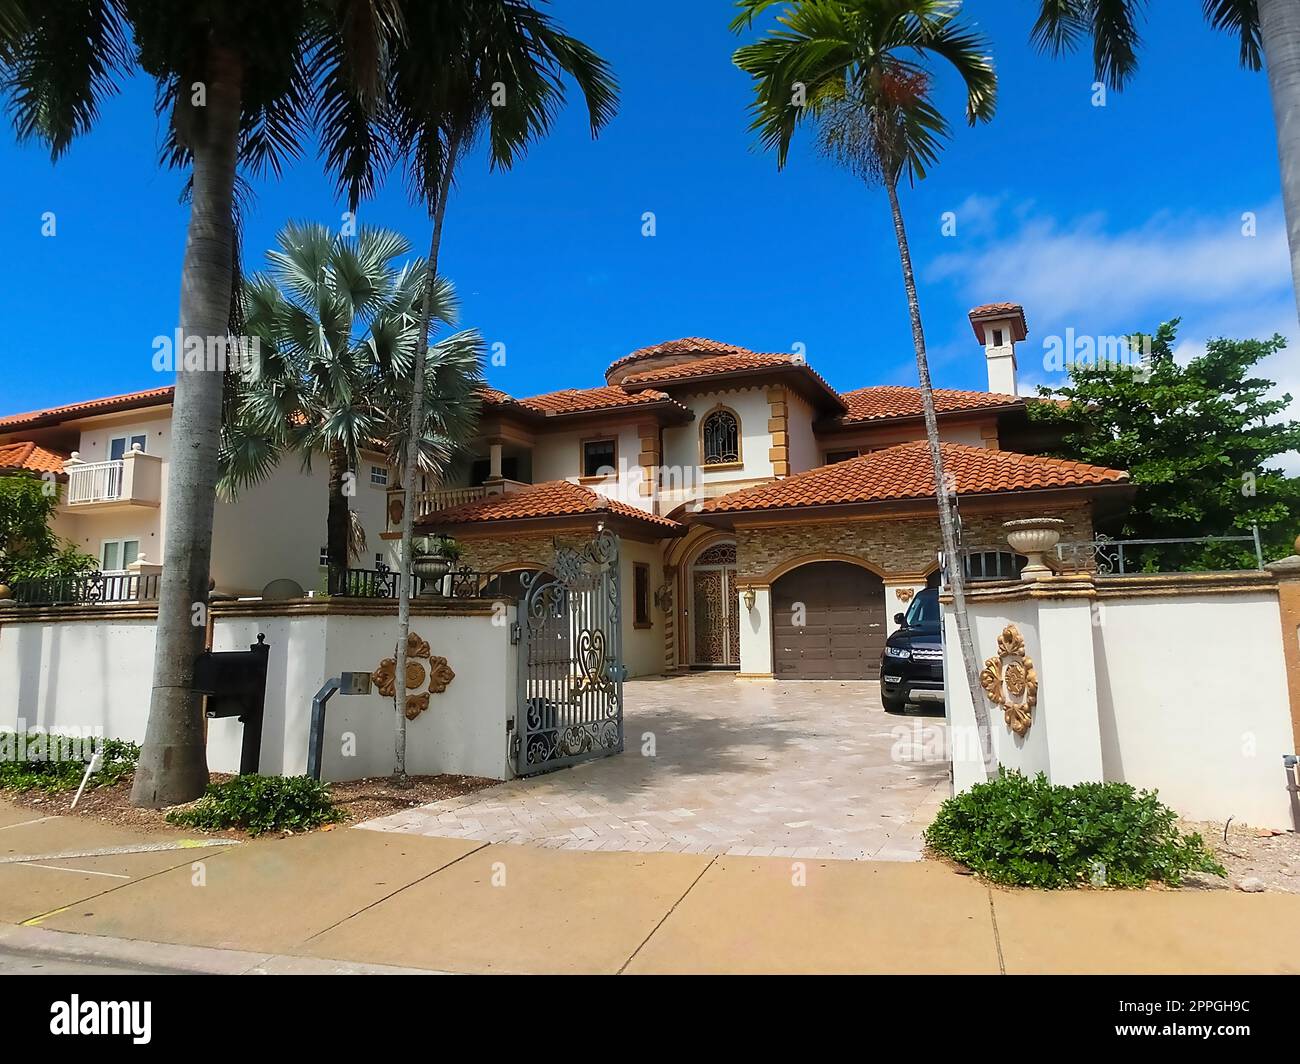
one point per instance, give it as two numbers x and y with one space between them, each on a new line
361 800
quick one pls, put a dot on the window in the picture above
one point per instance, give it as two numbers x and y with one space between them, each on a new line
379 476
720 433
119 445
994 565
641 595
324 555
840 456
997 337
116 554
599 458
380 564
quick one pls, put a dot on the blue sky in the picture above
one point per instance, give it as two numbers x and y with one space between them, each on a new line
1100 219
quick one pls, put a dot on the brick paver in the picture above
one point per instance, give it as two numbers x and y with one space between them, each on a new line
807 769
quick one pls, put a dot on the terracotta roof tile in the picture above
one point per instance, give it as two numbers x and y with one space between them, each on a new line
30 456
708 367
999 310
90 406
905 472
887 400
579 400
554 498
688 345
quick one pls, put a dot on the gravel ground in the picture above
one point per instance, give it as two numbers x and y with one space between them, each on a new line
1255 858
360 799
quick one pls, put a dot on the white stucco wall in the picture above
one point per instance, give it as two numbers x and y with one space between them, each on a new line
682 442
97 674
1184 694
1193 700
643 648
755 633
805 451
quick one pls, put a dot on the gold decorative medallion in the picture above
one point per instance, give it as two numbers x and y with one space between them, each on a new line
905 594
1010 681
425 675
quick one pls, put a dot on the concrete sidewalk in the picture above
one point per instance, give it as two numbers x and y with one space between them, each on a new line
350 900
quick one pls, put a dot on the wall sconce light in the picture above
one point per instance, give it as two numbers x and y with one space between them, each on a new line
750 596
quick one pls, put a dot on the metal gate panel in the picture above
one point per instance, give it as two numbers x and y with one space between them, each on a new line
570 706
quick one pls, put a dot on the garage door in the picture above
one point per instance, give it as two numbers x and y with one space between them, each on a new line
843 630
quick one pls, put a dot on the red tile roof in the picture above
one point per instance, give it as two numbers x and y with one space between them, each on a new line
30 456
688 345
905 472
152 397
988 311
886 401
579 400
554 498
708 367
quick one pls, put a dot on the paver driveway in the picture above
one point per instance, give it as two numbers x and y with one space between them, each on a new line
716 765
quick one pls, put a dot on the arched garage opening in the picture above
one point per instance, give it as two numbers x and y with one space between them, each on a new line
828 623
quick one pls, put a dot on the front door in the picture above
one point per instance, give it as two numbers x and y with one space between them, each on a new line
715 633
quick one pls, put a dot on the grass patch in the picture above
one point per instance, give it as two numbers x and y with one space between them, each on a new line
260 804
1027 832
54 763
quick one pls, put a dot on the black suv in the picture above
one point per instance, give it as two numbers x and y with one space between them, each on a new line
911 668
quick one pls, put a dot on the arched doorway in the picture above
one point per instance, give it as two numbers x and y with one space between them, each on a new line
715 627
828 623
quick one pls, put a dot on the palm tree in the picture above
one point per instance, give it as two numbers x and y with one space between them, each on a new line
240 82
1268 35
336 322
857 69
469 68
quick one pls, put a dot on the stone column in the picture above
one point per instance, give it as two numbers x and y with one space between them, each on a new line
1287 571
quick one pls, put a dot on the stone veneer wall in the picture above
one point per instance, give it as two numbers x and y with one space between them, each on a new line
902 545
489 555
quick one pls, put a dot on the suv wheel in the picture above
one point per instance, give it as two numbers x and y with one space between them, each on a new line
893 705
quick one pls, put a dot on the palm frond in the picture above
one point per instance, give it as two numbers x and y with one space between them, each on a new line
1241 19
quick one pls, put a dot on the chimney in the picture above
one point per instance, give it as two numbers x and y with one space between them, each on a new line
999 327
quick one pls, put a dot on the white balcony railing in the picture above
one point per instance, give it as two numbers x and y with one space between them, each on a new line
95 482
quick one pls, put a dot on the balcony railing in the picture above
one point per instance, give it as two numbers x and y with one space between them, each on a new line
381 582
435 499
87 589
95 482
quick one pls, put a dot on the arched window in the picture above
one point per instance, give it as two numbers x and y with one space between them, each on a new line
721 432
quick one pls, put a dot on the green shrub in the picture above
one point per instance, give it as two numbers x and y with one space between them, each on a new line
259 804
1030 833
50 763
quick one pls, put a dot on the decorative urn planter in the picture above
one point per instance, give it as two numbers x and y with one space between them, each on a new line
1033 537
430 568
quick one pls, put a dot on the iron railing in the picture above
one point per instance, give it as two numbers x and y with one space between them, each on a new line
381 582
87 589
1108 556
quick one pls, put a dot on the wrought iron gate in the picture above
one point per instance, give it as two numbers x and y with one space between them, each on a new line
570 706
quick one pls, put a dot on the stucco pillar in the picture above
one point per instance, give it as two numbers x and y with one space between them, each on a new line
899 592
1067 693
755 632
494 461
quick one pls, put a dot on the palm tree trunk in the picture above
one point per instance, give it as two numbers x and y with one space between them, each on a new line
1279 24
173 762
412 464
336 522
956 574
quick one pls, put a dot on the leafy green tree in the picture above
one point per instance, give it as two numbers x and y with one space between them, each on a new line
240 84
29 549
336 320
467 69
858 70
1199 440
1267 33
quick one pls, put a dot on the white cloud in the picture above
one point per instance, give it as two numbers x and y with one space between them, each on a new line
1081 274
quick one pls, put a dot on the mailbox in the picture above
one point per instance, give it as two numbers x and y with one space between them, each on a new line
235 685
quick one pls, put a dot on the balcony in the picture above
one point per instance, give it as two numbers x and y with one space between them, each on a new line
135 480
433 500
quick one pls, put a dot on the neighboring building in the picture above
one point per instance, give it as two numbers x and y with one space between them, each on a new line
770 525
111 457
